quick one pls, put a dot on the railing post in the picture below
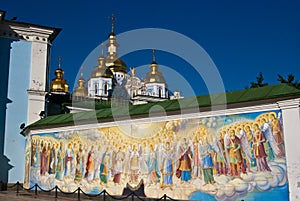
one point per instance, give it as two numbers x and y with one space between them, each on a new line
35 190
56 192
132 197
18 188
165 197
104 192
78 194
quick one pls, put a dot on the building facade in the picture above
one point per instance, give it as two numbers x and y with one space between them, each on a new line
243 149
110 79
24 56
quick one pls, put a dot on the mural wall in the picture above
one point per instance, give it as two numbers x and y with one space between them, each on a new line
213 158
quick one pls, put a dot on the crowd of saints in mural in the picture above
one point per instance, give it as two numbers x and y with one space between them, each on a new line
224 156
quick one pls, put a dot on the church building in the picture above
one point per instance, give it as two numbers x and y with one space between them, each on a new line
239 145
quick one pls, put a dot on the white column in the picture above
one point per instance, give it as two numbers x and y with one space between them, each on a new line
37 86
291 126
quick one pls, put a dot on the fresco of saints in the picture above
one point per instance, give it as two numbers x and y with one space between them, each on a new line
277 133
152 164
44 159
90 165
60 163
126 162
52 160
167 166
68 160
118 166
259 150
185 167
271 146
98 158
246 149
249 135
134 165
220 155
33 148
235 155
105 165
207 162
84 156
196 159
36 155
74 149
79 164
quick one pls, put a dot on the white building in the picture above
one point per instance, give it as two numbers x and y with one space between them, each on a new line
24 56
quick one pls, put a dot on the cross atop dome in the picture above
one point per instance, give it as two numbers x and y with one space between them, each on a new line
153 56
113 18
59 61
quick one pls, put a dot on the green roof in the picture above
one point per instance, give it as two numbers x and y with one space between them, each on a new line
267 94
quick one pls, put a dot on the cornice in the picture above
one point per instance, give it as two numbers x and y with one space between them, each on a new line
28 32
289 104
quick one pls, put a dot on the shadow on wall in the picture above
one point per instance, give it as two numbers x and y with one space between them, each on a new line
5 46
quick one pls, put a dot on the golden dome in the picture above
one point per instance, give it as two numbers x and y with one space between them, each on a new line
154 76
59 84
81 90
101 70
118 66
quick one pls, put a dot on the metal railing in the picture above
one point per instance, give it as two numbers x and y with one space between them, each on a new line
80 194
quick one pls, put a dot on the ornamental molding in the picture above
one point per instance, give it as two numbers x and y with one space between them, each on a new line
94 124
27 32
289 104
36 92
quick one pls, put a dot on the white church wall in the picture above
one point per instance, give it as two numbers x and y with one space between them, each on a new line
236 115
291 125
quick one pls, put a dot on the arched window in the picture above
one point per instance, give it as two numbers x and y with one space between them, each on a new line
96 88
159 92
105 88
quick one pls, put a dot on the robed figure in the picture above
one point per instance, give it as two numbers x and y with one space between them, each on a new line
185 165
259 150
167 166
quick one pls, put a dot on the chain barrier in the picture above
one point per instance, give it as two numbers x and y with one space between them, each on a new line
80 192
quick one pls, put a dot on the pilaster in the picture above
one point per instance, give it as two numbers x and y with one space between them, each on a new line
291 126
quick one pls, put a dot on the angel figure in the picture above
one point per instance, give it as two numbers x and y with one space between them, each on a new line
235 155
249 134
196 159
134 165
90 165
272 148
259 150
184 170
207 162
220 154
118 166
277 133
246 149
167 169
143 166
152 164
105 166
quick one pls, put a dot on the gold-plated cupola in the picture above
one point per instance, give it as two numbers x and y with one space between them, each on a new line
59 84
81 90
154 76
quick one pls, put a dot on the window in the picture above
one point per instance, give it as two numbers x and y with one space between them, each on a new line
159 92
105 88
96 88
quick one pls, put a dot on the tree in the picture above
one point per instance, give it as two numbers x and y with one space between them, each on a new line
259 82
290 80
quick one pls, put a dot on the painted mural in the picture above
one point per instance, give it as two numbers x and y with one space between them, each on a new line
216 158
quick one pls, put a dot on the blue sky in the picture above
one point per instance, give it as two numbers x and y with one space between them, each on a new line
242 38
